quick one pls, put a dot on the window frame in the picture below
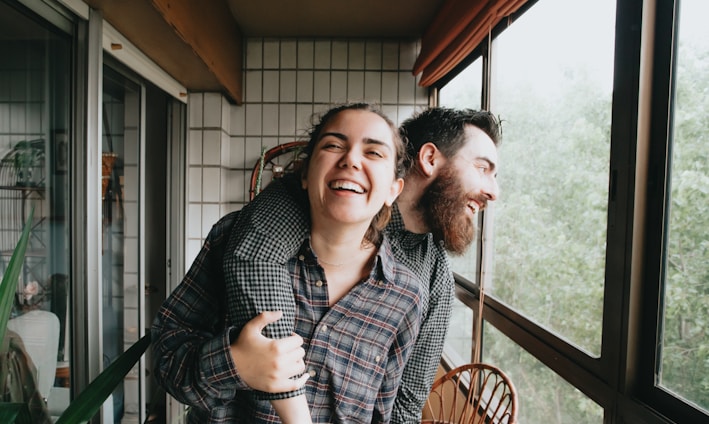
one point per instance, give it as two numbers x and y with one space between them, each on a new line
622 379
657 198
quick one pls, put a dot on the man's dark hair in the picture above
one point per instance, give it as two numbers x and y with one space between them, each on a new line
445 127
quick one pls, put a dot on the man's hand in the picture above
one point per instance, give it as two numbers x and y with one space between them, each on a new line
267 364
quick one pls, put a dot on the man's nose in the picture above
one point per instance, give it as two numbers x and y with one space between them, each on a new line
491 189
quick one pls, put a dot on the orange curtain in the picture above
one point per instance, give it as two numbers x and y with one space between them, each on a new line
455 32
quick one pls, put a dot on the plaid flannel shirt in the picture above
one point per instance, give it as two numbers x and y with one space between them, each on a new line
192 358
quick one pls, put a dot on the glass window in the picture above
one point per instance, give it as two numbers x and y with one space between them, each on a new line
543 396
552 90
684 368
120 228
35 134
459 340
465 90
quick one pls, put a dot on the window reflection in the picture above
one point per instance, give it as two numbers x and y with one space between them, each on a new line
120 230
35 134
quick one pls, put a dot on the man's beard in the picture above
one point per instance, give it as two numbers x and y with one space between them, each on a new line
444 206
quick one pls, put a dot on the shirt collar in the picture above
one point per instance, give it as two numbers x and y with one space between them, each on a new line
396 223
385 263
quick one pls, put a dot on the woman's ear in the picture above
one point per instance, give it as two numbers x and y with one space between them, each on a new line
396 187
427 159
304 177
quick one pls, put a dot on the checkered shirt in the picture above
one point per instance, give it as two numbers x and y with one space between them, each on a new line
192 357
355 350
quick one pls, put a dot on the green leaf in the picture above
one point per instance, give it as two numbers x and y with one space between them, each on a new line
12 273
16 413
85 406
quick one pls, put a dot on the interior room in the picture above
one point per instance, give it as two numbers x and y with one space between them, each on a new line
128 129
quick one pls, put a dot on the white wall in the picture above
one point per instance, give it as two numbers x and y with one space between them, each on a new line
285 82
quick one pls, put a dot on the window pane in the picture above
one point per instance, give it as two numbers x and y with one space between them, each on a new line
553 93
685 340
459 341
121 214
464 91
543 396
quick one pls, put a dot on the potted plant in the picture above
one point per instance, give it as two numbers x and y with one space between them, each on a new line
88 402
29 162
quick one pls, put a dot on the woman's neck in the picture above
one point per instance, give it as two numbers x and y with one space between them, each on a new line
336 248
345 264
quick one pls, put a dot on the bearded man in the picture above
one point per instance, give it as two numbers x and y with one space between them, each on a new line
202 361
452 173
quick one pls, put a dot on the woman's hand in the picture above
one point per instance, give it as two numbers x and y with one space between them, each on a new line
268 364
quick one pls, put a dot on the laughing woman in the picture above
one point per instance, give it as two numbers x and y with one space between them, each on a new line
353 306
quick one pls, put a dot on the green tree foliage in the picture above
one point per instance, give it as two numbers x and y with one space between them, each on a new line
550 234
685 348
550 223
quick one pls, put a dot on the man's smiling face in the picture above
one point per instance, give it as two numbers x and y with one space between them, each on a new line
462 187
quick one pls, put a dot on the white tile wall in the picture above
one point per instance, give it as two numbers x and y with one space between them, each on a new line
212 110
211 147
285 82
322 54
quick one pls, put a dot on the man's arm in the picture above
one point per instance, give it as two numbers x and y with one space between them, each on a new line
197 356
420 370
191 340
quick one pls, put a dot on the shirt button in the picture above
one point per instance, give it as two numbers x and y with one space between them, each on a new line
377 358
324 328
380 283
318 283
301 258
312 373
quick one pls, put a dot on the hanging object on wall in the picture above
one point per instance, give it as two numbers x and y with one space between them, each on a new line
108 160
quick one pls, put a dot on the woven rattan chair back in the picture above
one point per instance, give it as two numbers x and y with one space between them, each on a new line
472 394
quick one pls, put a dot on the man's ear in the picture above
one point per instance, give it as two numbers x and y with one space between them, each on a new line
428 158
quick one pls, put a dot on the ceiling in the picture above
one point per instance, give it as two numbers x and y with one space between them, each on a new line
334 18
199 43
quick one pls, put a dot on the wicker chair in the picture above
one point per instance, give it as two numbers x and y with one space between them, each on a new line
273 163
472 394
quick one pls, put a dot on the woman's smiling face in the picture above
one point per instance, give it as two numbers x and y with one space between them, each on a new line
351 171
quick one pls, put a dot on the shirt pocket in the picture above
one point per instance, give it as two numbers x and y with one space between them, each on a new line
357 367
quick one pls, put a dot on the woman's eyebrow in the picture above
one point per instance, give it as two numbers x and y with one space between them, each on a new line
333 134
377 142
344 137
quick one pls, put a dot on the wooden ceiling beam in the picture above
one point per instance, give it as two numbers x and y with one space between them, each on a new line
208 27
